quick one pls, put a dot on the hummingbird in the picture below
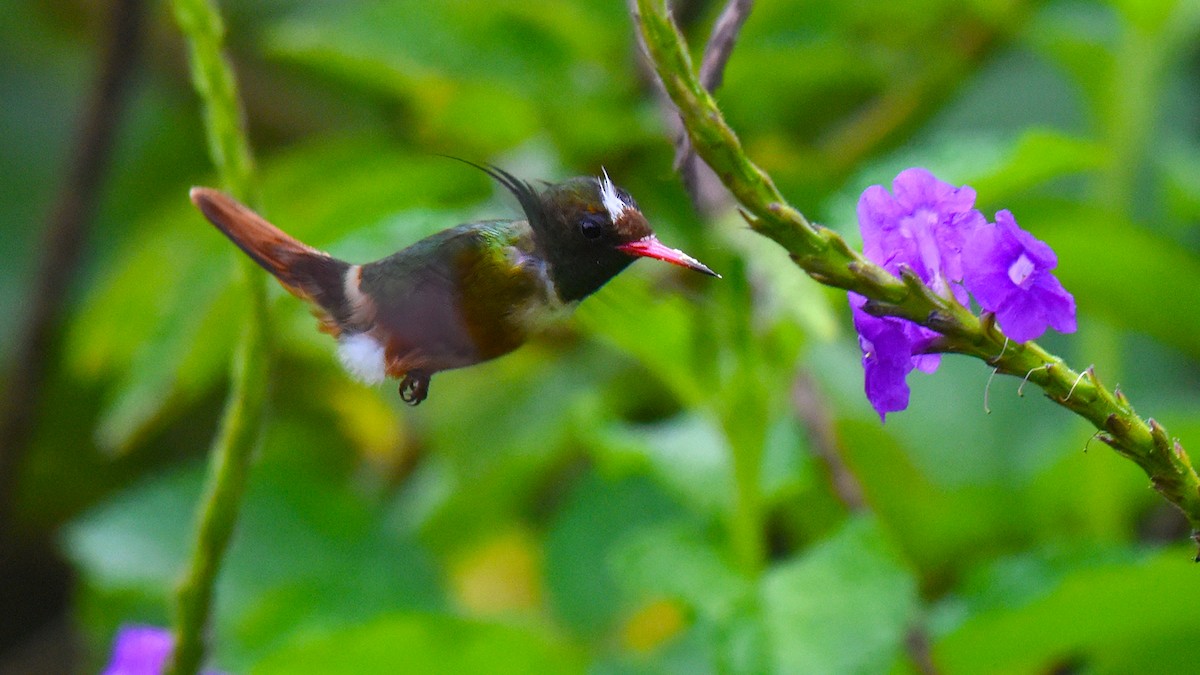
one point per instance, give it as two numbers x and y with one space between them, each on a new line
464 295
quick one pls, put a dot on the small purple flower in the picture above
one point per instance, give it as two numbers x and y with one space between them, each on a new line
142 650
891 349
932 228
1008 272
923 226
887 359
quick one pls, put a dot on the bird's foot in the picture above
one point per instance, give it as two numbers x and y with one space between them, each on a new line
414 388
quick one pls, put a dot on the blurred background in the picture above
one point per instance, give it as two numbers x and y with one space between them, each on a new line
684 478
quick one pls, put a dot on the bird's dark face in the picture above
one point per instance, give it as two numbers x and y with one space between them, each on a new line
587 229
600 214
592 230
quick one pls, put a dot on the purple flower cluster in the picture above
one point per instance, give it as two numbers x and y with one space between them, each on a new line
933 229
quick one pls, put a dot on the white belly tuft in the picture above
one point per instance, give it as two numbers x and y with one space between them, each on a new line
362 356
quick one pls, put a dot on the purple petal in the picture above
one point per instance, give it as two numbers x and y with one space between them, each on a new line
1008 272
1037 250
991 287
140 650
887 358
1058 303
927 363
924 226
956 237
917 186
876 210
143 650
1022 318
886 364
961 200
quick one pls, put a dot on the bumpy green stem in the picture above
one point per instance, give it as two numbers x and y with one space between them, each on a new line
242 420
827 258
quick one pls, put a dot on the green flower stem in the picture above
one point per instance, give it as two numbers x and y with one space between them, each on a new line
200 22
241 422
744 420
827 258
746 523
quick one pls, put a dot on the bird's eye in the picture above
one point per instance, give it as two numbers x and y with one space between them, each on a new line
591 226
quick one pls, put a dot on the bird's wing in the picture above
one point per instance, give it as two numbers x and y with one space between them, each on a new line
446 301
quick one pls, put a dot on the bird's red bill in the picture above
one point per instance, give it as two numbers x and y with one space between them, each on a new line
651 247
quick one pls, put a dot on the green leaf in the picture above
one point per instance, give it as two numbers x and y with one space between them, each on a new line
844 607
596 519
1181 168
1122 272
1080 37
1109 613
1038 156
782 292
486 75
686 453
666 346
1148 15
673 561
180 361
136 539
503 427
417 643
939 527
310 550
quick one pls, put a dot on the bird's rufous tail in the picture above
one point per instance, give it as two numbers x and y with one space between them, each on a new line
300 268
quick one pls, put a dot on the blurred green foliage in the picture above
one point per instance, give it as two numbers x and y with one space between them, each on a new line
635 491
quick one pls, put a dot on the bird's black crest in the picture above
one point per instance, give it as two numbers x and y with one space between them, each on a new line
525 193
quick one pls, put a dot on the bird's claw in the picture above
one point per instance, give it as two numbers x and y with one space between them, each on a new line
414 388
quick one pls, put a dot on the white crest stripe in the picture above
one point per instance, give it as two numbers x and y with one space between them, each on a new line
608 196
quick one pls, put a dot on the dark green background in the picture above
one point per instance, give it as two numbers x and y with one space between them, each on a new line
569 508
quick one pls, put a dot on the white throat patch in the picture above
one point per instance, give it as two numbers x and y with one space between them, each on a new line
608 196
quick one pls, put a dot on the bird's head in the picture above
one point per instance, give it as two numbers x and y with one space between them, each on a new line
589 230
